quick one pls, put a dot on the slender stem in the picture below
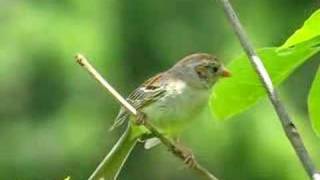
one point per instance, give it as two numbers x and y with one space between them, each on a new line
85 63
176 150
287 124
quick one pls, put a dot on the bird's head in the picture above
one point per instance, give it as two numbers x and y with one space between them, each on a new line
200 70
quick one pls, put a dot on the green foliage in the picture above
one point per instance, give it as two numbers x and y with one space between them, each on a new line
314 103
54 117
309 30
238 93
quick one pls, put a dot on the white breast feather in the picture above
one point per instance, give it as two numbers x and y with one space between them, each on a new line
177 107
177 87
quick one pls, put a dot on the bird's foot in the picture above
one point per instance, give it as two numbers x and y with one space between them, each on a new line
187 154
141 118
189 159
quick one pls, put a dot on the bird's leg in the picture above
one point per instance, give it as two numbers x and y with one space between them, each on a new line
141 118
186 152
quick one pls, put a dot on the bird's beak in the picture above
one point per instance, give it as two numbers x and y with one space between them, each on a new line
225 72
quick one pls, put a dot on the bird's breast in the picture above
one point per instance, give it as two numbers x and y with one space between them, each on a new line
178 106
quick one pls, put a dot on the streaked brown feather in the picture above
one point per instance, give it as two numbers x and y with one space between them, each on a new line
149 92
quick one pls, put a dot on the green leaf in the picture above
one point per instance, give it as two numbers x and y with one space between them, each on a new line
314 103
236 94
309 30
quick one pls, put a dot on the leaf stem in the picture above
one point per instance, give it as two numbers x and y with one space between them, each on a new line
176 150
286 121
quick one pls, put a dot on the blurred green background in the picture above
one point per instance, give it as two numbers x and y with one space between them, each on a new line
54 117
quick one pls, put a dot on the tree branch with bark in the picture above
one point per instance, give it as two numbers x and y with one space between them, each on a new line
257 64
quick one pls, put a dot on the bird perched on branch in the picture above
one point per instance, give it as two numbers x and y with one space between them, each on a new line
170 100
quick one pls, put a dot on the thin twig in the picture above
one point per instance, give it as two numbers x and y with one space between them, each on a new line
287 124
176 150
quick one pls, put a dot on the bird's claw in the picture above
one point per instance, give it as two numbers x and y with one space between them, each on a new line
189 160
186 153
141 118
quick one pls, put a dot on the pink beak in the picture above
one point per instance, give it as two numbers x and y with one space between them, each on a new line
225 73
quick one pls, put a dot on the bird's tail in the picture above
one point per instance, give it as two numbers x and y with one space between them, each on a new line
111 165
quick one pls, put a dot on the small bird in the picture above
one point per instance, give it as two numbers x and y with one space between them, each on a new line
170 100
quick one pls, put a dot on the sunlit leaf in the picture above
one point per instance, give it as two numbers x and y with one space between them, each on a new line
314 103
243 89
234 95
309 30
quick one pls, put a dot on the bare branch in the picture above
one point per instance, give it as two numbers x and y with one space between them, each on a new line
176 150
84 63
287 124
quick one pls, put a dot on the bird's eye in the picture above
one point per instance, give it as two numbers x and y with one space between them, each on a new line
215 69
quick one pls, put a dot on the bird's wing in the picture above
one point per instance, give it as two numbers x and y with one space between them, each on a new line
149 92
